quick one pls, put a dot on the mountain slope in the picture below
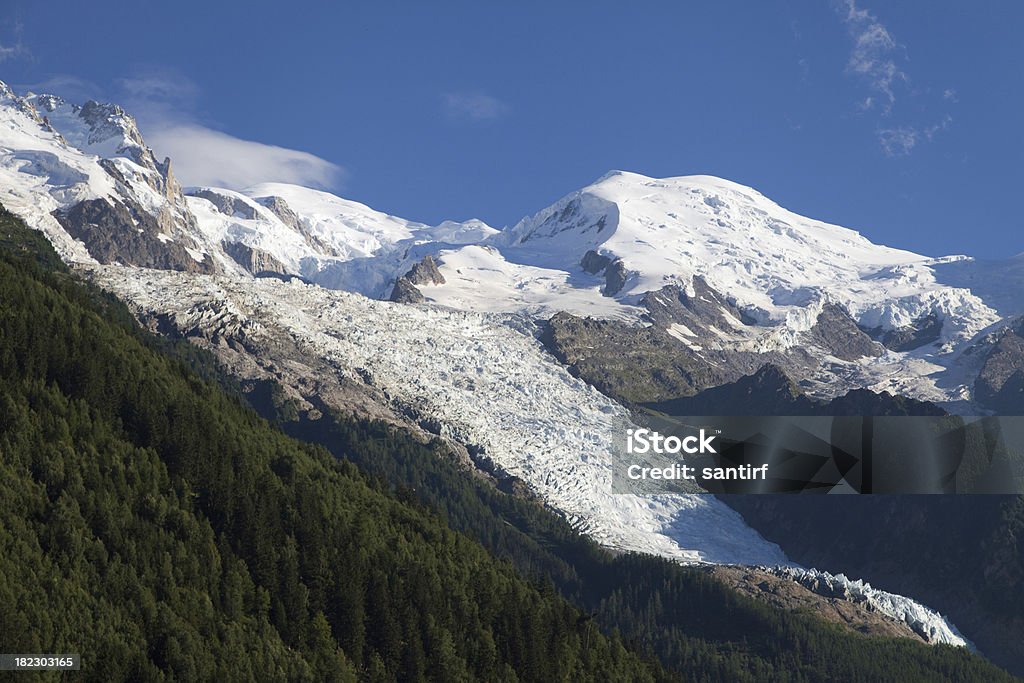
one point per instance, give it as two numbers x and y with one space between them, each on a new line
134 536
161 529
608 251
624 249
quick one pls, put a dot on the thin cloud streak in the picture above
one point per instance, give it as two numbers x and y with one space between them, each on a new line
873 57
901 140
203 156
474 106
876 60
164 103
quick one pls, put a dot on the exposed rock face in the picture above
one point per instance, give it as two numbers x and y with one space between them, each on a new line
615 277
627 362
405 292
114 232
1000 384
923 331
766 392
769 391
572 216
615 273
594 263
837 332
696 340
706 308
784 593
425 273
279 207
256 261
156 231
226 204
106 121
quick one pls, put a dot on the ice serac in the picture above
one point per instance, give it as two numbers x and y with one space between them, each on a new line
484 380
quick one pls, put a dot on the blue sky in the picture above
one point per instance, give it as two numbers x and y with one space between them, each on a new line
902 120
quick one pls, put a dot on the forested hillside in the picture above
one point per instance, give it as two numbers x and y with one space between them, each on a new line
163 530
152 522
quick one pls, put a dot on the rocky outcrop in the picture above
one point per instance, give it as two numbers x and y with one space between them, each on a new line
770 391
279 207
615 273
425 272
1000 383
256 261
115 232
405 292
594 262
227 204
923 331
110 132
766 392
835 606
837 333
615 277
631 363
704 309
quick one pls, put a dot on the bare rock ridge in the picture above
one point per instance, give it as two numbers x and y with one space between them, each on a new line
615 273
405 292
256 261
100 223
424 272
838 607
695 340
226 204
921 332
1000 383
112 193
769 391
838 333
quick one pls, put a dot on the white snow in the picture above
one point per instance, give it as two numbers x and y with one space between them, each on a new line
471 359
491 383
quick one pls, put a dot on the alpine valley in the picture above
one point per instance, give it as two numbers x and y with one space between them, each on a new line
517 356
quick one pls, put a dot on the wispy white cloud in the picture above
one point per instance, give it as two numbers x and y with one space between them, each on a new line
165 103
898 141
69 87
158 85
474 106
203 156
901 140
12 46
877 60
874 55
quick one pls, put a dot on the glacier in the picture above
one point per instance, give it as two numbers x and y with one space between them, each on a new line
470 357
